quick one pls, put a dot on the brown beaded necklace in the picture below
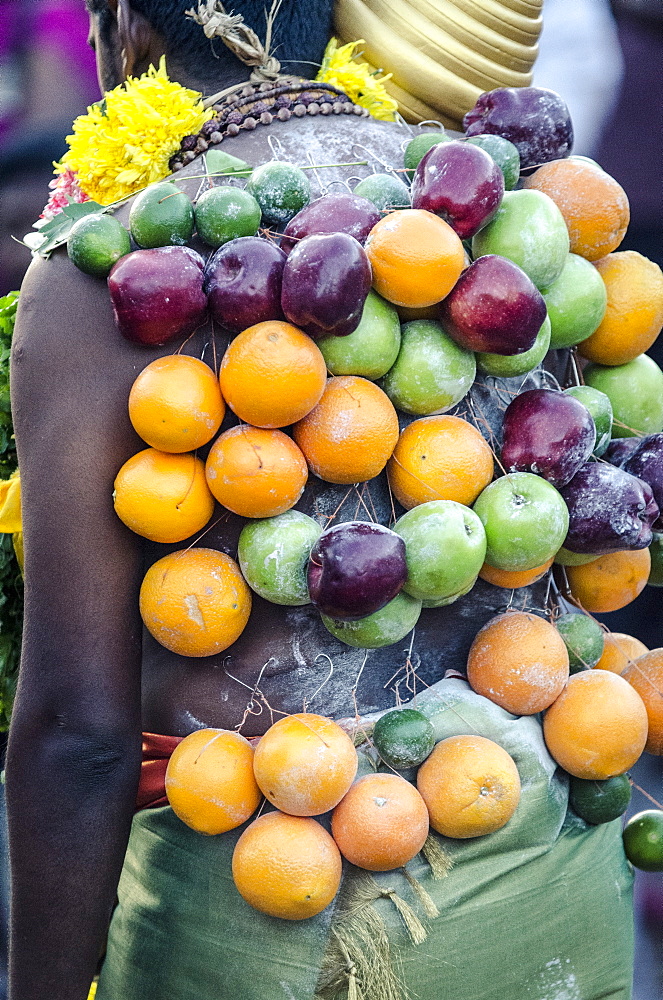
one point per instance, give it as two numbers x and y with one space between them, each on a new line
262 104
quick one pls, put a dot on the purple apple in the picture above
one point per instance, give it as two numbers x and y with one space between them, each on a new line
460 183
243 282
326 280
646 463
548 433
355 569
158 294
333 213
535 120
493 308
609 510
620 450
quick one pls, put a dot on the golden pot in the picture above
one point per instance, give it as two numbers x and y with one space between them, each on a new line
443 53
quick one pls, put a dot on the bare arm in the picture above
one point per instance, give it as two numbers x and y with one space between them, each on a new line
74 751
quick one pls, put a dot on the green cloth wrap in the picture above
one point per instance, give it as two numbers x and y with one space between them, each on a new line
540 910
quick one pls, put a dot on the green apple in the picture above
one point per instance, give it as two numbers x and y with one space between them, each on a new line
510 365
530 230
525 518
372 348
445 547
600 408
273 555
564 557
444 601
576 302
431 373
635 391
383 628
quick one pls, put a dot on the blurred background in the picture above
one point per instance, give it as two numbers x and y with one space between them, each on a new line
604 58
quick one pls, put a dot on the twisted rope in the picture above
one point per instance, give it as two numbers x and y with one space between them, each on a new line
237 36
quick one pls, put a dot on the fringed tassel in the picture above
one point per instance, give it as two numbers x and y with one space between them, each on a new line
437 857
413 924
429 907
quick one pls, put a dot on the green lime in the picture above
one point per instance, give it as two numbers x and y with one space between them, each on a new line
224 213
565 557
510 365
281 189
583 638
417 148
656 553
96 242
385 191
643 840
600 801
161 216
505 155
372 348
384 627
600 409
404 738
431 373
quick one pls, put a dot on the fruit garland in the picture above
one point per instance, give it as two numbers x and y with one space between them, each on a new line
328 300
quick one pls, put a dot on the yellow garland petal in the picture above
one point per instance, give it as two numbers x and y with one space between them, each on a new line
342 69
10 504
124 143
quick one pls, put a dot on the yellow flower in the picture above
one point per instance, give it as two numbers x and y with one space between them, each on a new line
124 143
359 80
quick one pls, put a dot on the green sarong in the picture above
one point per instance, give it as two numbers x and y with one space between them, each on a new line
540 910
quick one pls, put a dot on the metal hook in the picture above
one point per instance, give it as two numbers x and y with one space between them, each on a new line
275 145
311 160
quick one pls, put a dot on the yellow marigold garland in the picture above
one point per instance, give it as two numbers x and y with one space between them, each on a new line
360 82
124 143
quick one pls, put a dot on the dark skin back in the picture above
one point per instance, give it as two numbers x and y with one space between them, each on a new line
91 679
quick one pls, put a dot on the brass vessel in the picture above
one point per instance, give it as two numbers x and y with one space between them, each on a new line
443 53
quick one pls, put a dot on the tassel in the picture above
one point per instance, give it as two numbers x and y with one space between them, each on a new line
413 924
430 909
437 857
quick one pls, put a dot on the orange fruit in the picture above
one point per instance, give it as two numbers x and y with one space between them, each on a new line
255 472
609 582
470 785
619 650
645 675
161 496
351 433
304 764
439 458
519 661
175 404
634 314
512 579
594 205
272 374
210 783
416 258
195 602
381 823
286 866
597 728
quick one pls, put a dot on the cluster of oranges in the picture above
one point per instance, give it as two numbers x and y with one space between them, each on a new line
596 724
285 863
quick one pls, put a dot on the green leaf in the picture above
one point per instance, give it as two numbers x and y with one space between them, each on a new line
58 229
218 162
